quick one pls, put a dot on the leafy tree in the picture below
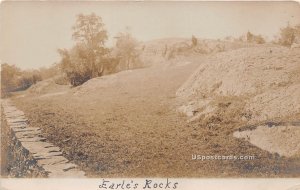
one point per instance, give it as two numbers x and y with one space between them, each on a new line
89 30
13 78
9 75
287 36
126 48
87 58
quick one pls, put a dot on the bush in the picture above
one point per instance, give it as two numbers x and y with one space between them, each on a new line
260 40
50 72
27 79
61 80
255 38
14 79
288 35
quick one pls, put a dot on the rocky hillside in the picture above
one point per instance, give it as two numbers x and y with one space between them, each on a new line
156 52
265 80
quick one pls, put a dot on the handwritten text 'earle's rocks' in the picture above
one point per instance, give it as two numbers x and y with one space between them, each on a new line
131 184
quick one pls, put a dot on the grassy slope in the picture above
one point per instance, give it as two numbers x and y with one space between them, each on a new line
130 128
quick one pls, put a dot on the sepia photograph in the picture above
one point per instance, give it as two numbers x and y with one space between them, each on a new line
150 90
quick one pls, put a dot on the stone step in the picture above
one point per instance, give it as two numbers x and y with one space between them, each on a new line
48 156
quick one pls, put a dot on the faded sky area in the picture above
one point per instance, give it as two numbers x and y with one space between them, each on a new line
31 32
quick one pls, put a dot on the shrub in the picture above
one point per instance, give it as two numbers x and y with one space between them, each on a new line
255 38
50 72
27 79
287 36
14 79
260 40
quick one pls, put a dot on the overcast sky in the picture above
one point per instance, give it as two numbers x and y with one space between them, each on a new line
31 32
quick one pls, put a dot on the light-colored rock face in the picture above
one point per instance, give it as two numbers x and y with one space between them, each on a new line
283 140
267 78
48 156
275 103
241 72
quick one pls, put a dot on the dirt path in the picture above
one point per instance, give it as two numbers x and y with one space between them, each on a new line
126 125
